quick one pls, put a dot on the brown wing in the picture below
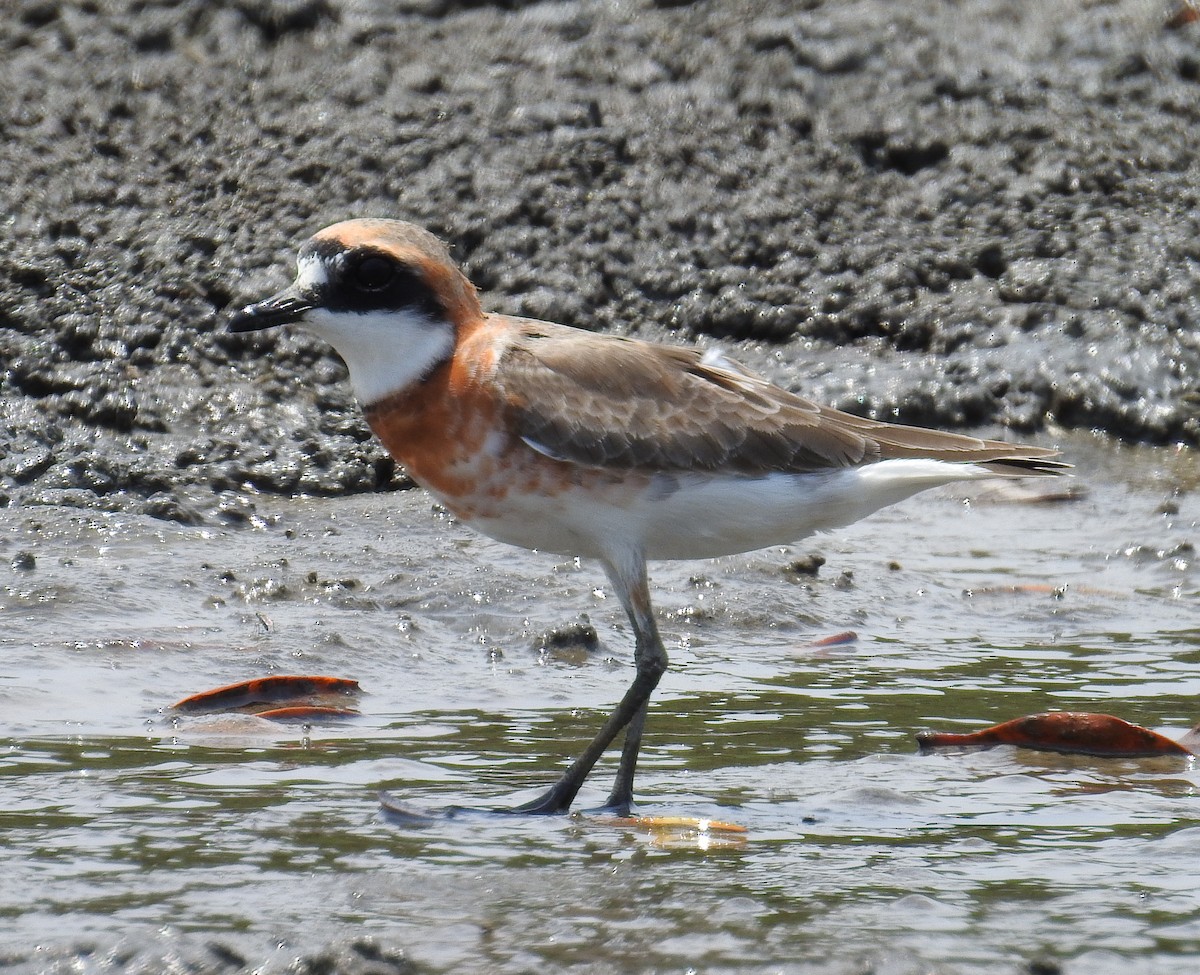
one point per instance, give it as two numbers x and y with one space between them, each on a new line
607 401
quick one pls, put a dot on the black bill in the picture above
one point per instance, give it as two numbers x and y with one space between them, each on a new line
282 309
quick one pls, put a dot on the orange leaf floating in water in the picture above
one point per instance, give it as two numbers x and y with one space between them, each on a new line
1070 732
265 690
1042 589
843 639
683 832
308 712
678 823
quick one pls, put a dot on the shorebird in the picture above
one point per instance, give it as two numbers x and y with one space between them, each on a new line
567 441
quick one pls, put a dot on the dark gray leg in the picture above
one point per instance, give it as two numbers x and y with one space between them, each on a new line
628 578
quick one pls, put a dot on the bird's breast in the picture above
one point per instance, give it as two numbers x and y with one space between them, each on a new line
451 435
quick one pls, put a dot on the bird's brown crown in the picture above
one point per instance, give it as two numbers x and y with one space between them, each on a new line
389 264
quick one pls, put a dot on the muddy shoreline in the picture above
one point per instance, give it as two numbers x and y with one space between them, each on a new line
982 215
975 215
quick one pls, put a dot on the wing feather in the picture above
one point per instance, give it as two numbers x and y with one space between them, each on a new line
607 401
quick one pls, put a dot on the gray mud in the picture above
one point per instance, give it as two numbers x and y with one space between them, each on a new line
981 213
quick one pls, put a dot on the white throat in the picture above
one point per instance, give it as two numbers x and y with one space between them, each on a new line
386 352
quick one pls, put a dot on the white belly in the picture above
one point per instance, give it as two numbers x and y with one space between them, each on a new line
700 516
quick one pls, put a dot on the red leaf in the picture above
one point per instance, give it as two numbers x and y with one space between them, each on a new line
1070 732
265 690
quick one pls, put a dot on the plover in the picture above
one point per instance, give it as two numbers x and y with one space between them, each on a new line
567 441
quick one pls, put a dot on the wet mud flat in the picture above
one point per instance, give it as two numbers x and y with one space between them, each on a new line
958 215
967 215
141 839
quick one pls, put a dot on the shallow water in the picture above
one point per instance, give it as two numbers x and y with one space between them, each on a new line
128 825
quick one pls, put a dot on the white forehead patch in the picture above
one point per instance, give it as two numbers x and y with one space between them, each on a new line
311 273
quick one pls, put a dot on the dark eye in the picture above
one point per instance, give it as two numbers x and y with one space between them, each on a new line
371 273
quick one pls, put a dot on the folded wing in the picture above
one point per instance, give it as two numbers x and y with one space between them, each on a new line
606 401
